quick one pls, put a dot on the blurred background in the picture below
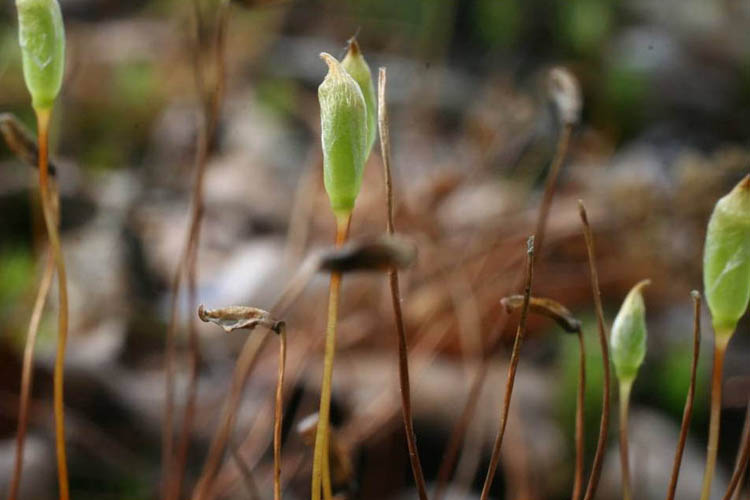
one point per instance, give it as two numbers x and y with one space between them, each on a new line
663 134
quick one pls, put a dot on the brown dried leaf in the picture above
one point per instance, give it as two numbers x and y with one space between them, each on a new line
21 141
239 317
382 254
546 307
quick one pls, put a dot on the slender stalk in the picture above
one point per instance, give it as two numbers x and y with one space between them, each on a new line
27 372
580 422
403 355
743 470
740 467
43 116
687 413
596 467
520 333
279 415
625 388
245 363
321 435
721 340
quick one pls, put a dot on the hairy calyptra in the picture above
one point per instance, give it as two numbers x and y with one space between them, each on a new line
343 123
628 339
41 35
726 258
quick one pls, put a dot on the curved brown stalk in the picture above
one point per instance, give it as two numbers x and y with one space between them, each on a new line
520 333
740 468
279 414
596 467
744 456
245 363
26 372
211 103
580 422
687 412
50 221
403 356
454 443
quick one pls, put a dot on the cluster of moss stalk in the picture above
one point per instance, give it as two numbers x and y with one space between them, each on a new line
726 281
351 115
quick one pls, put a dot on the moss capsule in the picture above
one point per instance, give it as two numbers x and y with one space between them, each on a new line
628 340
726 259
41 35
343 123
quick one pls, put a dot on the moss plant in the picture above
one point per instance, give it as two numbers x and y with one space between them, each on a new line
41 35
563 317
726 279
230 319
343 120
628 344
564 91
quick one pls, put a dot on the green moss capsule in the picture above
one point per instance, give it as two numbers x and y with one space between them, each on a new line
343 124
354 63
628 341
726 259
41 35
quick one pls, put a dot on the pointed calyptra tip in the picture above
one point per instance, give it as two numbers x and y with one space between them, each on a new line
744 184
334 66
353 48
638 288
